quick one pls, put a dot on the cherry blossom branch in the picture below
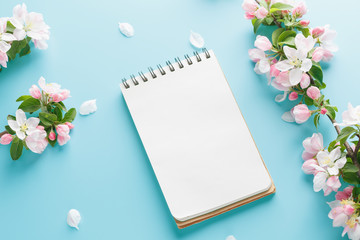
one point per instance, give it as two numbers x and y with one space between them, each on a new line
3 133
346 144
276 22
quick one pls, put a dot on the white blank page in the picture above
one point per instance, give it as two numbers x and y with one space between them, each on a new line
196 139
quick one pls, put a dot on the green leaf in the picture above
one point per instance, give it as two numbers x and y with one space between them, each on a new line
9 130
351 177
11 117
356 193
316 120
25 51
23 98
58 113
16 47
284 35
316 73
345 133
290 41
330 112
269 20
332 146
47 119
9 27
281 6
30 105
16 148
275 36
257 24
350 167
308 101
69 115
305 32
61 106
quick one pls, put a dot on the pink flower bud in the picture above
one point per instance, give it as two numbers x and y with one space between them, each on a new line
250 5
313 92
293 96
70 125
35 92
261 13
348 209
274 72
63 134
301 113
317 32
52 136
263 43
40 127
345 194
321 54
308 166
299 10
249 15
305 81
323 111
304 23
6 139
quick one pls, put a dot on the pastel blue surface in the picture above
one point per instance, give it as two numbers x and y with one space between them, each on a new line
104 171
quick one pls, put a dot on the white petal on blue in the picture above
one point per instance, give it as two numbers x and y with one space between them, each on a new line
4 46
20 135
281 97
295 76
306 65
20 117
14 125
126 29
196 40
288 117
284 65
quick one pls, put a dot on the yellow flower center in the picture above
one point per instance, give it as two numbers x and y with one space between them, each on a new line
23 127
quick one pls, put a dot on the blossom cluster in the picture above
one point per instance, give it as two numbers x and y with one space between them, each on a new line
51 125
18 31
291 59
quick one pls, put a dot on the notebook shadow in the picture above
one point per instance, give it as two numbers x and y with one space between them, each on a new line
164 210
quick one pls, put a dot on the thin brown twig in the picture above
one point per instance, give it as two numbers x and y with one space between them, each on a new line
3 133
276 22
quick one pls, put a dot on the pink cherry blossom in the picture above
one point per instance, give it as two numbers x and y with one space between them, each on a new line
293 96
312 145
304 23
36 141
333 184
282 81
321 54
63 134
305 81
263 43
308 166
249 15
6 139
317 32
53 91
250 7
327 38
35 92
301 113
261 13
345 194
313 92
323 111
70 125
300 10
3 59
52 136
40 127
348 209
262 62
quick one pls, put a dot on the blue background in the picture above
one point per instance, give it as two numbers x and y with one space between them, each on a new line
104 171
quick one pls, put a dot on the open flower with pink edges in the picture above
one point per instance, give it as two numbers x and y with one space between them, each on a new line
63 134
312 146
52 92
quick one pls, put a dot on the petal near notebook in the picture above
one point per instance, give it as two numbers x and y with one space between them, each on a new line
88 107
196 40
126 29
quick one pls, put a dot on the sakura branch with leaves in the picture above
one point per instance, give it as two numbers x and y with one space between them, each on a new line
291 61
51 125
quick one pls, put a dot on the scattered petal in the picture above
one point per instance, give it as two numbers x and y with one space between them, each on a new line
231 237
281 97
126 29
73 218
288 117
196 40
88 107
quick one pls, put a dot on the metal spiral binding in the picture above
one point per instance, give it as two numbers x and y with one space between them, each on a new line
161 69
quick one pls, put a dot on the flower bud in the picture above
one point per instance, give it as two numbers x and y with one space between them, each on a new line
313 92
304 23
35 92
301 113
323 111
6 139
293 96
52 136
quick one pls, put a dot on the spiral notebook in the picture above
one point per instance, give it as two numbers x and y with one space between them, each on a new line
196 139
